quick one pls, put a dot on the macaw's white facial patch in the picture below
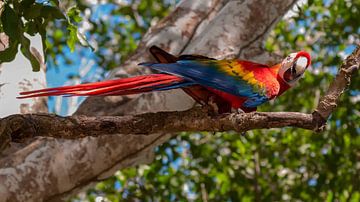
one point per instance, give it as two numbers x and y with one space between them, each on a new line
302 62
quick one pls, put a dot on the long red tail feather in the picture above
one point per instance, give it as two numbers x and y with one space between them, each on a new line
124 86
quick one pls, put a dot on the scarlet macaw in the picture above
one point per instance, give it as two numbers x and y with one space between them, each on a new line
236 84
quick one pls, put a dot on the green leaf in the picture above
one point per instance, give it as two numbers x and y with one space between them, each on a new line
72 39
42 32
31 28
25 49
55 2
74 14
52 13
58 34
33 11
10 22
26 3
9 54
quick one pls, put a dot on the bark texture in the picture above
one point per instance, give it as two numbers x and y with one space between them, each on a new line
51 169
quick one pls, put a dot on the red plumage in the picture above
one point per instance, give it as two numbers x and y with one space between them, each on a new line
124 86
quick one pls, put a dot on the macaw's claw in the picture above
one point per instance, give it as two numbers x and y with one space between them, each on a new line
213 105
237 111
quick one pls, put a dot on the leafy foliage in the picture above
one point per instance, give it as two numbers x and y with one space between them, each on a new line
113 28
85 24
30 17
270 165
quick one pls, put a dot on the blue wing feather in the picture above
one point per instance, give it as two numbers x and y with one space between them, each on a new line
255 101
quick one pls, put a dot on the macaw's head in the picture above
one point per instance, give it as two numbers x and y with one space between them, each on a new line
294 66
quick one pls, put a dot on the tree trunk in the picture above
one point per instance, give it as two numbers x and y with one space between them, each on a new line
50 169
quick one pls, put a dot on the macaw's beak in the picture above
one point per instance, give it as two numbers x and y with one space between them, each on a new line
296 70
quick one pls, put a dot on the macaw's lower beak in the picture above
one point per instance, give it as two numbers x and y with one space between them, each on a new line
290 74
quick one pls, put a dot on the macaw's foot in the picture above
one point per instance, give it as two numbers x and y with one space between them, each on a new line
238 111
207 109
243 110
213 105
210 109
217 106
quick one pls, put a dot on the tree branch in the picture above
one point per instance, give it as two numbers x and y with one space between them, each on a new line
19 127
329 101
31 125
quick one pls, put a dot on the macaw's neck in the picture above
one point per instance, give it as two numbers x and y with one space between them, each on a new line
283 85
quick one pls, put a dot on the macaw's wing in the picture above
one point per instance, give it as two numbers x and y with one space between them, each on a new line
162 56
194 57
199 93
240 78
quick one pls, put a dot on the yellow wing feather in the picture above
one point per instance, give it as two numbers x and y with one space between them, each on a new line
233 68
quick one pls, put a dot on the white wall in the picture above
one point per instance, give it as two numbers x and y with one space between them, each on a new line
17 76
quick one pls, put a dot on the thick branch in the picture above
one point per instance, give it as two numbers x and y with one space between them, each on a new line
21 126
